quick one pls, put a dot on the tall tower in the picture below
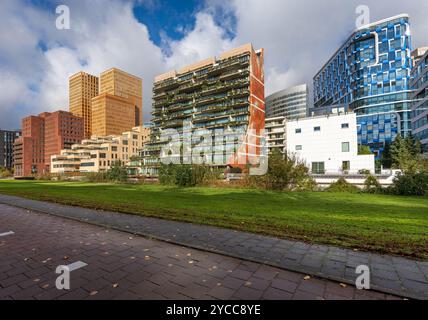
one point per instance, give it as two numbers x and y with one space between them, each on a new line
82 88
127 86
118 107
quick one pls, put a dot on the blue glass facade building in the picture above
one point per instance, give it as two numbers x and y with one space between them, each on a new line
419 84
370 74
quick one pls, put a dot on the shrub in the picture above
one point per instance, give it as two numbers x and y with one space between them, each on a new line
372 185
117 173
167 174
284 173
415 184
44 177
4 173
96 177
364 171
187 175
341 185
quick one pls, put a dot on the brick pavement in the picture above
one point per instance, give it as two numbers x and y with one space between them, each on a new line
124 266
389 274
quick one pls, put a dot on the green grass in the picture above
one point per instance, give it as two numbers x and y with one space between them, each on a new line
379 223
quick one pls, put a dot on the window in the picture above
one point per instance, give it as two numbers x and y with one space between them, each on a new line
298 148
346 165
298 130
317 129
345 125
318 168
345 146
114 148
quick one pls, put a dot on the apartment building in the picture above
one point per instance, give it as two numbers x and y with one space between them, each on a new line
99 153
419 85
276 134
370 73
82 88
7 139
119 105
328 144
221 99
291 103
42 136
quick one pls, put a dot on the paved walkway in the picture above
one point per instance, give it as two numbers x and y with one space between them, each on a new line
389 274
124 266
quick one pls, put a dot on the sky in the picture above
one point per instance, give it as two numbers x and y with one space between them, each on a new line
149 37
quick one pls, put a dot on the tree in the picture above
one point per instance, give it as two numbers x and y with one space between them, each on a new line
117 173
364 150
285 173
386 160
405 154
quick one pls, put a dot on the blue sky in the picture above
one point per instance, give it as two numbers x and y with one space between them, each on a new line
149 37
170 17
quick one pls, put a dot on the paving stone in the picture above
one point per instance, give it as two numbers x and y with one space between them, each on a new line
118 268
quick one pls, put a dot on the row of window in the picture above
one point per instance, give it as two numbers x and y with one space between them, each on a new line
345 147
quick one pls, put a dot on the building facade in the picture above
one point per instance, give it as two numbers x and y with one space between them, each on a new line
99 153
291 103
328 144
419 84
43 136
7 139
276 134
119 106
418 54
371 74
82 88
219 102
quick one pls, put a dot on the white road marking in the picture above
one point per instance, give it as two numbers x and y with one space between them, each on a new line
6 234
76 265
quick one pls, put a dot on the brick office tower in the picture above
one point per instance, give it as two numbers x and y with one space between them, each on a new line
42 136
82 88
119 106
7 138
224 96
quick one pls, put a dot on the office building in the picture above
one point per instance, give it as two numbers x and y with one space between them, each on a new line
291 103
418 54
419 85
328 144
221 99
7 139
99 153
276 134
82 88
42 136
119 106
370 73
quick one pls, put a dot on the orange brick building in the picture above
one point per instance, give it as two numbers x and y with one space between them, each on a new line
43 136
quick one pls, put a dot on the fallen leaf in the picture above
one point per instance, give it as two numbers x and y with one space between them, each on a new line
132 258
66 257
115 285
191 262
26 259
36 280
306 277
93 293
248 284
147 258
45 286
343 285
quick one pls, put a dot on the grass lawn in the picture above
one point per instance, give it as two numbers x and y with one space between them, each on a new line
385 224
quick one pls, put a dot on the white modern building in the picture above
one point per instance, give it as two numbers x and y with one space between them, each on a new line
275 132
328 144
